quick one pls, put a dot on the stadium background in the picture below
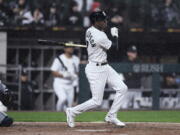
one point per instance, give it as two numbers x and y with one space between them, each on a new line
152 26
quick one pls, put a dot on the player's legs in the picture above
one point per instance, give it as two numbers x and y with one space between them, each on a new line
127 101
117 84
97 77
70 95
97 83
61 95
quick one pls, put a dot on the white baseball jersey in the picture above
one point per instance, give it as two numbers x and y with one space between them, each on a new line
72 65
98 76
97 42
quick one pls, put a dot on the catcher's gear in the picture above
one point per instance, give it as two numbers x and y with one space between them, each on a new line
5 96
97 16
5 121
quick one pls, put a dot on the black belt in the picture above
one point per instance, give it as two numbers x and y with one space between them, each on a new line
101 64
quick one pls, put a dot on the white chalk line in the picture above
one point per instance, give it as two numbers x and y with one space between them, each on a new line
98 122
92 130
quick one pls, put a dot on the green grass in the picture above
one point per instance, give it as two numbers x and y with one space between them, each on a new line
127 116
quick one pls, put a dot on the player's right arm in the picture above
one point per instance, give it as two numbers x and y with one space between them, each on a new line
97 39
56 74
104 41
55 68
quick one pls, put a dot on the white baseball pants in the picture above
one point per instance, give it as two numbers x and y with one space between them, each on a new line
98 76
65 95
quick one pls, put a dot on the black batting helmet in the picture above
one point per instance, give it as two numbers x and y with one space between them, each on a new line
97 16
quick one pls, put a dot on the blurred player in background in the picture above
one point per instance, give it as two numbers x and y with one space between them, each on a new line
65 70
169 81
132 80
27 88
5 98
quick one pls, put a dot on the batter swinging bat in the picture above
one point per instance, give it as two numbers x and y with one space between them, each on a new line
51 42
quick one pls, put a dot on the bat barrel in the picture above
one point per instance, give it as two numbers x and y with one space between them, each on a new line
50 42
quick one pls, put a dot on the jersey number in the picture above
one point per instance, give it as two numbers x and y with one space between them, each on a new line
93 45
91 40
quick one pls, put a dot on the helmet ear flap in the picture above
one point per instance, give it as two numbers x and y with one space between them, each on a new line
93 18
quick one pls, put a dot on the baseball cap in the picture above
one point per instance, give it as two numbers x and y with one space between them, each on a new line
132 48
53 5
24 72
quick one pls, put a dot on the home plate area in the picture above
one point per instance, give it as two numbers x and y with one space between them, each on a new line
92 128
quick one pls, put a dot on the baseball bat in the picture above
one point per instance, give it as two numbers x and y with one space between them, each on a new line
117 43
52 42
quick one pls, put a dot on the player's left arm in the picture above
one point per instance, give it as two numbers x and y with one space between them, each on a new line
105 43
114 33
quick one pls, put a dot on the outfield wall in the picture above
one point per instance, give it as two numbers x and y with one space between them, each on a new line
153 96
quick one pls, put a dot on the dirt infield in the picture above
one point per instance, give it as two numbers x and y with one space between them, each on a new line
55 128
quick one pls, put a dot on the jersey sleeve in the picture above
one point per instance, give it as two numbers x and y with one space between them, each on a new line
56 66
104 42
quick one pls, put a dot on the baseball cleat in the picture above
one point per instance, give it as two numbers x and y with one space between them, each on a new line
114 120
70 118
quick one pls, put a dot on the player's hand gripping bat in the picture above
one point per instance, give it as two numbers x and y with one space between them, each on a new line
114 33
52 42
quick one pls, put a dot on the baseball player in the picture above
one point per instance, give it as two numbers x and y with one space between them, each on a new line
5 121
99 72
65 69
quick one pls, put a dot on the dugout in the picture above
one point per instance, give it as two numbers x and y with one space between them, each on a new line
154 69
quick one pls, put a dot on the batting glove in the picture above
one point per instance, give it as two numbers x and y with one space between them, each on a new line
66 75
114 32
74 77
